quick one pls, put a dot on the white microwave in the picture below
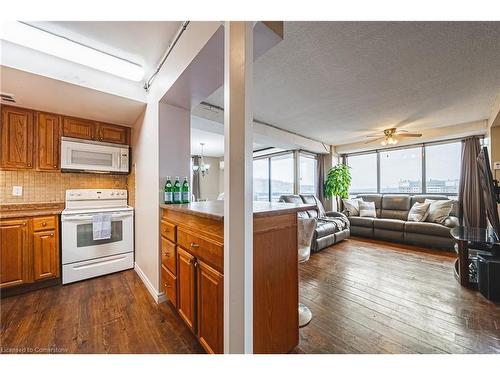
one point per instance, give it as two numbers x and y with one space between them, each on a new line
79 155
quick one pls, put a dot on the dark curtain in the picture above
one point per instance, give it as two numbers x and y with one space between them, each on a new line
470 196
320 172
196 178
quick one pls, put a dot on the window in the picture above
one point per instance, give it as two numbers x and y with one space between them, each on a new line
363 173
401 171
442 168
308 179
282 175
261 180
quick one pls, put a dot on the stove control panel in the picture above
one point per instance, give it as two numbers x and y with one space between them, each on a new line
95 194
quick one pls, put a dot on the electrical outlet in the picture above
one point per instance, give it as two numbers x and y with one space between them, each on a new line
496 165
17 191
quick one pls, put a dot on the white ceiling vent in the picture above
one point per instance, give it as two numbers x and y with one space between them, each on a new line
7 97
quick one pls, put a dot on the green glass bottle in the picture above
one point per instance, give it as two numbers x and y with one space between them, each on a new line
168 191
185 191
177 191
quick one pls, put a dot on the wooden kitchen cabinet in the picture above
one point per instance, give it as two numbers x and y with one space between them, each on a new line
78 128
48 141
14 253
16 133
29 253
186 284
210 306
112 133
45 255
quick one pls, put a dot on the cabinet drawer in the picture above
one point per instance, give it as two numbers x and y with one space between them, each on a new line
44 223
168 256
169 285
202 248
168 230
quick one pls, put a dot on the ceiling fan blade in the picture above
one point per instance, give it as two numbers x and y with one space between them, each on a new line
409 135
375 136
374 140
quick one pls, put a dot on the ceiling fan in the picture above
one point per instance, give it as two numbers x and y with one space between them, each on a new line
390 136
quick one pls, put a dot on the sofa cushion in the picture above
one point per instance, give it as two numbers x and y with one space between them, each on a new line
362 221
389 224
431 229
419 211
375 198
398 202
311 199
439 210
421 198
367 209
352 206
325 228
394 214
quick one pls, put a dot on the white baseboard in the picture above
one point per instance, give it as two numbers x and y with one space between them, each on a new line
159 297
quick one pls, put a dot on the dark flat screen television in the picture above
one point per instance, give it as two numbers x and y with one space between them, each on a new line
491 191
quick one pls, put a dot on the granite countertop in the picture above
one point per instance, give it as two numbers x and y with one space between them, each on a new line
215 209
9 211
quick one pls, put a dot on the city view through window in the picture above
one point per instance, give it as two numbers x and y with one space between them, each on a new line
401 170
275 176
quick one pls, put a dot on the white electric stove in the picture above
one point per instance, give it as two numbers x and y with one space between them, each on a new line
82 256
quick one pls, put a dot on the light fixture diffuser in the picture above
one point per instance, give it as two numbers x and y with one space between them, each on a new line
34 38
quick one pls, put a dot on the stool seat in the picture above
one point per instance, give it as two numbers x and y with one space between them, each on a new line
304 253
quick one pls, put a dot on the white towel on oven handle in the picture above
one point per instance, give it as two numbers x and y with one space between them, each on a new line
101 226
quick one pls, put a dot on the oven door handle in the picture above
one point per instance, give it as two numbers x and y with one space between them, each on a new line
89 217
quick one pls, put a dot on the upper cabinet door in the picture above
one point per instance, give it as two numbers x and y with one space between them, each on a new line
112 133
48 137
78 128
16 131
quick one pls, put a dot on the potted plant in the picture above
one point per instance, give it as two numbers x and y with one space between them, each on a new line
337 183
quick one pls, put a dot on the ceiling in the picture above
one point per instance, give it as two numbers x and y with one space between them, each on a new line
140 42
51 95
337 82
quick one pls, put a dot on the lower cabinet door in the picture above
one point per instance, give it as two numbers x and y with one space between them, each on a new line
45 255
210 305
14 253
186 279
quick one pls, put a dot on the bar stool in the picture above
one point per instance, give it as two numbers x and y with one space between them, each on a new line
305 232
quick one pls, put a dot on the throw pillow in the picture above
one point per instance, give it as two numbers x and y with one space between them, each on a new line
352 206
439 210
419 211
367 209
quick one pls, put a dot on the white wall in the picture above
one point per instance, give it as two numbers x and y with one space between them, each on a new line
210 184
146 148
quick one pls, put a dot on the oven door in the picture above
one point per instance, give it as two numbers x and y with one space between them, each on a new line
77 237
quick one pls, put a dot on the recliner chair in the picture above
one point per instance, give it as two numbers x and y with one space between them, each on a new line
332 226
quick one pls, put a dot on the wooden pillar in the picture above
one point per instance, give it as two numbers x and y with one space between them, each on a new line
238 189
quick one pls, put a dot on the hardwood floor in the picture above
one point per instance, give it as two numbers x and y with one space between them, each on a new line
110 314
365 296
377 297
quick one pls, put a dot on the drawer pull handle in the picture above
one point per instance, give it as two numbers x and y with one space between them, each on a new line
166 255
167 286
24 223
194 244
44 224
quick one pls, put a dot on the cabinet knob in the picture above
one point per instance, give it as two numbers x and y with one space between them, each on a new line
44 224
29 164
195 264
167 286
166 255
24 223
52 235
194 244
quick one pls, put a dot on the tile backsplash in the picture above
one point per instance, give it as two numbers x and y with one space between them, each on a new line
44 187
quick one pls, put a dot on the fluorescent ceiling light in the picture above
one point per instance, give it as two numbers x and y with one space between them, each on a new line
34 38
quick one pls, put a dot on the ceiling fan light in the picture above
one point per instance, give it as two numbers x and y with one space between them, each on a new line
394 141
383 143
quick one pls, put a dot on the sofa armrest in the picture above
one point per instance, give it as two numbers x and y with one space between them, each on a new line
335 214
